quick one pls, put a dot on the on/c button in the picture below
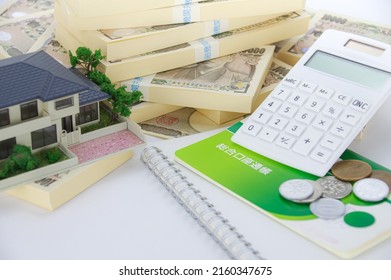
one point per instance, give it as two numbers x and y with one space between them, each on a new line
360 105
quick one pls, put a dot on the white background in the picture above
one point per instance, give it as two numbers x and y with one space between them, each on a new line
129 215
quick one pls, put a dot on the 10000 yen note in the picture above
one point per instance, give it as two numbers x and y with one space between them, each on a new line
21 8
55 50
231 73
322 21
276 73
200 50
278 70
126 32
253 27
226 83
185 121
114 34
20 36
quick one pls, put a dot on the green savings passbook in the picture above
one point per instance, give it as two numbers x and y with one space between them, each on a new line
256 180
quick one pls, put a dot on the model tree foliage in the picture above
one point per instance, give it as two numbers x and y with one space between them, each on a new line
86 58
120 99
21 159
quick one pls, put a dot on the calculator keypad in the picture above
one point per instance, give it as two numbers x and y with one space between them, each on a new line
306 118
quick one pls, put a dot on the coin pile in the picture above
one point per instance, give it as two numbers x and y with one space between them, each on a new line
325 193
301 191
372 189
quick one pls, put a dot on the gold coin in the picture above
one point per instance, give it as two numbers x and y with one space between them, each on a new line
351 170
383 175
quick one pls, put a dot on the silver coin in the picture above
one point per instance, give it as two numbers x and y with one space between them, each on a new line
318 191
296 189
334 188
328 208
371 189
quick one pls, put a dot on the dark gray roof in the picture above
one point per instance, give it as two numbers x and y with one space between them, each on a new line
39 76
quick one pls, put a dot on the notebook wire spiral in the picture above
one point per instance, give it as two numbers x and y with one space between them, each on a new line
228 238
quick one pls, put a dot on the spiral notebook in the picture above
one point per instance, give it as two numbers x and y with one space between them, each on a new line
229 239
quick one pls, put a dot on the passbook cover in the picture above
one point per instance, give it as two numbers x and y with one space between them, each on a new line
256 180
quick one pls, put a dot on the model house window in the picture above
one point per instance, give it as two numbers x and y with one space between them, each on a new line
6 147
4 117
29 110
44 137
64 103
87 114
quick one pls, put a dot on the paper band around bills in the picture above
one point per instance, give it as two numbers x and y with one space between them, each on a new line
205 49
142 84
186 13
215 27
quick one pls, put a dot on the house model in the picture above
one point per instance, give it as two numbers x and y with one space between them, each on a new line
40 100
43 104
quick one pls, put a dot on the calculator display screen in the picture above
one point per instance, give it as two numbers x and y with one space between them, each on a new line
348 69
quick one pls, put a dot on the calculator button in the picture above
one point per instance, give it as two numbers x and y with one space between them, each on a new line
295 128
297 98
278 122
314 104
340 129
332 111
252 128
288 110
324 92
285 141
307 141
321 155
268 134
322 123
359 105
281 93
305 116
307 87
261 117
330 142
350 117
271 104
342 98
290 82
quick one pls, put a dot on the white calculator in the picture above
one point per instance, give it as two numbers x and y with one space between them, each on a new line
323 103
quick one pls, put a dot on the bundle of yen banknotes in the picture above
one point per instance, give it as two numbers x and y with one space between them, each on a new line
199 64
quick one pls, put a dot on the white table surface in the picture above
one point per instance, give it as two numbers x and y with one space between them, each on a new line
129 215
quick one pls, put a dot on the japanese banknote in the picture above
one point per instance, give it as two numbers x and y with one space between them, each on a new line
298 45
27 26
278 70
186 121
19 8
22 35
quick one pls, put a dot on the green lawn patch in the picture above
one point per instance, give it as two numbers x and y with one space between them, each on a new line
106 119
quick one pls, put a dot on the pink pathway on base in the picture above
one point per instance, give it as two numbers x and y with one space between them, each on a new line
105 145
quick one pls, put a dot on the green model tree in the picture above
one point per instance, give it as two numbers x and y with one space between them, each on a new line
20 160
120 99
